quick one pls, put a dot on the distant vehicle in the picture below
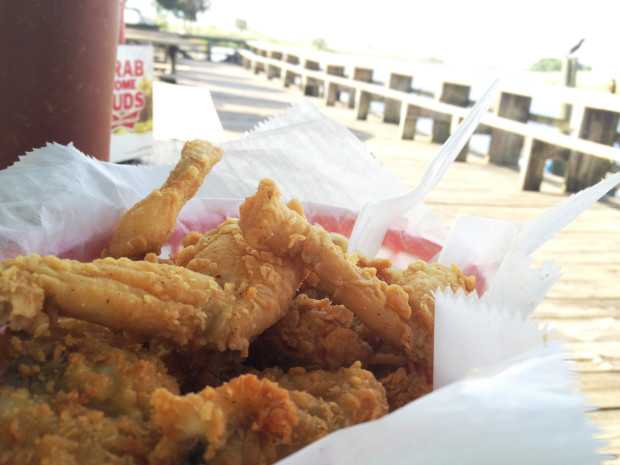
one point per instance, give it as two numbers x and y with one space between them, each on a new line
134 18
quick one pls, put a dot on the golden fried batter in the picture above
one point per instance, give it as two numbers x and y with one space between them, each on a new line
250 420
149 223
80 395
313 334
404 385
267 222
141 297
401 314
420 281
199 304
262 283
189 374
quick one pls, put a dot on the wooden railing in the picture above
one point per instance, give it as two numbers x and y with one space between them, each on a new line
584 141
213 41
189 45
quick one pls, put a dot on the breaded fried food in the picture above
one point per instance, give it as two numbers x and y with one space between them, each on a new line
149 223
314 334
404 385
268 223
399 313
420 281
224 295
259 419
173 362
145 298
79 395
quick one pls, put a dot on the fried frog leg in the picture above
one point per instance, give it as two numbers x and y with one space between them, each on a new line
218 292
149 223
200 304
267 222
141 297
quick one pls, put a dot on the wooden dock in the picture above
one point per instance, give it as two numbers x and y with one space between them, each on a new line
588 121
583 307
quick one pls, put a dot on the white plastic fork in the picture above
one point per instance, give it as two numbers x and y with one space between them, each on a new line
378 215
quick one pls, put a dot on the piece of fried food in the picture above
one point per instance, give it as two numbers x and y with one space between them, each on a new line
420 281
149 223
259 420
404 385
399 314
198 368
145 298
79 395
314 334
268 223
224 295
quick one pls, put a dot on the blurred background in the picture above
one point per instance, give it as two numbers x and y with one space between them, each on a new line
530 37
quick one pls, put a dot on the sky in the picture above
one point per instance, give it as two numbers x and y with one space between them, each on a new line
474 33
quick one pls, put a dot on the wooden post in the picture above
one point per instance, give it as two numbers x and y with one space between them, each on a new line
274 71
505 148
569 77
258 66
462 156
246 62
171 59
287 77
408 120
362 106
359 74
455 94
531 174
584 170
311 86
332 91
402 82
208 49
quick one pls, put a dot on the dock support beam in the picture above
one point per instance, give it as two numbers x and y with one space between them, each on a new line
505 148
288 78
454 94
585 170
359 74
309 85
331 93
401 82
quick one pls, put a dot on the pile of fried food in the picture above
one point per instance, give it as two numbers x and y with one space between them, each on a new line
250 342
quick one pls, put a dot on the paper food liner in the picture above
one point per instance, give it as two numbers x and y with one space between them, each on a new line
503 390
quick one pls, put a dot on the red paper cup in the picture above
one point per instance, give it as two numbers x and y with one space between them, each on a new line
57 76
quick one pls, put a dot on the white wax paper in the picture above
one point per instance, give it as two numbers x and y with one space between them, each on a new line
526 411
58 190
504 392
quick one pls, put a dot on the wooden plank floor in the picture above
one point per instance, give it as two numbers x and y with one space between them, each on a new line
583 307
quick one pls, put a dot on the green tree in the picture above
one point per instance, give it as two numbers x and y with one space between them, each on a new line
186 9
547 64
241 24
319 44
554 64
